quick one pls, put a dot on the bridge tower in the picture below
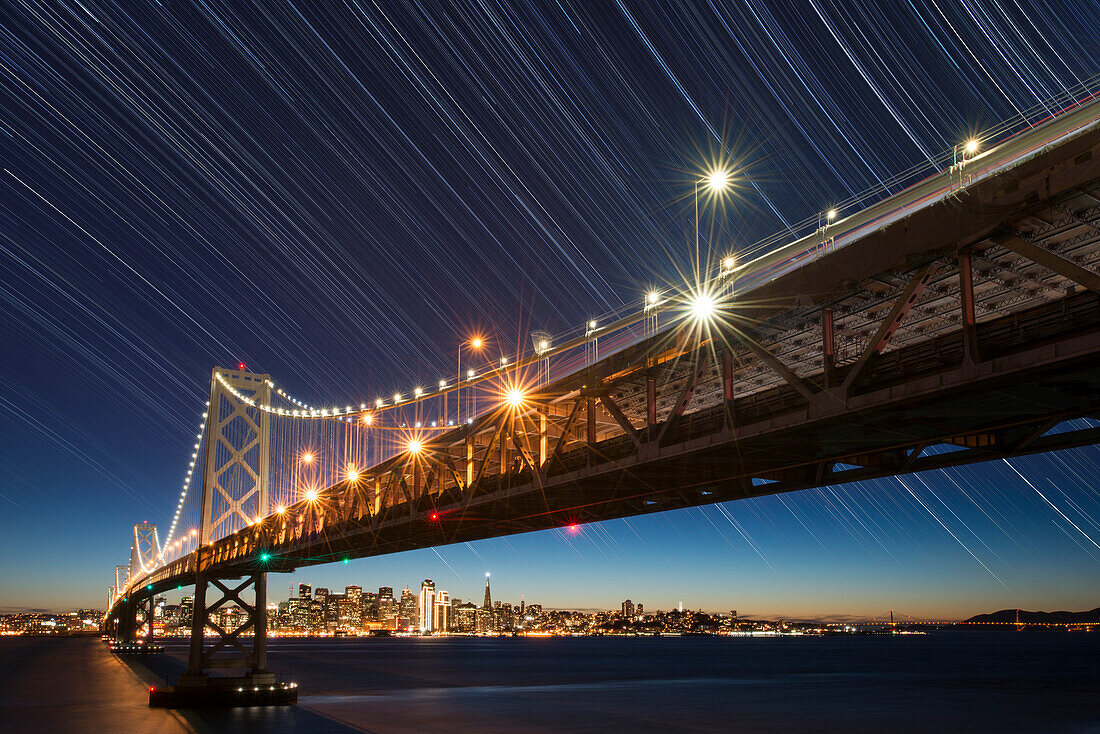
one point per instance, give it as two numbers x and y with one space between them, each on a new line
123 624
144 551
235 491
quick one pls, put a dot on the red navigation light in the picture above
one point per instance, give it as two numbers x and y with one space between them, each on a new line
435 516
574 529
241 365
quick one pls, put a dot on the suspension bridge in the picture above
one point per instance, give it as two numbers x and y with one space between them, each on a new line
955 322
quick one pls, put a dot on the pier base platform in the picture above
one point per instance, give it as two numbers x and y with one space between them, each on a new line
218 692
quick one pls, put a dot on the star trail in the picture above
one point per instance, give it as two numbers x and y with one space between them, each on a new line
340 195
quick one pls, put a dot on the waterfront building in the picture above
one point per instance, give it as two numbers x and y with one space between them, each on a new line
369 607
442 617
187 607
486 619
407 613
332 611
426 608
321 596
465 617
387 612
316 614
628 610
349 608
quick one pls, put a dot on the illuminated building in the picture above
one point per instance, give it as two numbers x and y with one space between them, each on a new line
350 608
187 608
321 595
628 609
426 608
369 607
316 614
441 620
486 618
407 616
388 612
465 617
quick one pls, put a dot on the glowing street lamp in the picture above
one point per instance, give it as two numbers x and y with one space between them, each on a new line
966 150
717 181
514 398
475 343
702 307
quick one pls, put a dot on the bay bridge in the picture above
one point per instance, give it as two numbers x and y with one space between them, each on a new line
955 322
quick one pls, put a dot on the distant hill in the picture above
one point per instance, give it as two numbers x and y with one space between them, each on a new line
1008 616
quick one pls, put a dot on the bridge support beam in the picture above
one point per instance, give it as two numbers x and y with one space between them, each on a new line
969 322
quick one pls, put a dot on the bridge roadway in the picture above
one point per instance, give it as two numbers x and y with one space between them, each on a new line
972 324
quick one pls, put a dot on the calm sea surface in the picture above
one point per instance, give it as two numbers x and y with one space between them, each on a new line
944 682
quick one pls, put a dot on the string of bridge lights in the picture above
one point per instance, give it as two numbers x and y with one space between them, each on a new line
186 484
701 305
346 414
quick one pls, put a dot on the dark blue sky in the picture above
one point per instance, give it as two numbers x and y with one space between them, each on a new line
337 197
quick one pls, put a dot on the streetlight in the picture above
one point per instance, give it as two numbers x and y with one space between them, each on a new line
475 343
967 149
717 180
514 398
702 307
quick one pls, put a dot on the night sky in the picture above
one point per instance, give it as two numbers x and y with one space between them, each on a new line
339 197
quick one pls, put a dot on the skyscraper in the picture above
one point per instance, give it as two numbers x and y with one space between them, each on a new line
427 606
350 606
408 618
487 618
442 617
305 591
628 610
322 596
387 612
187 606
